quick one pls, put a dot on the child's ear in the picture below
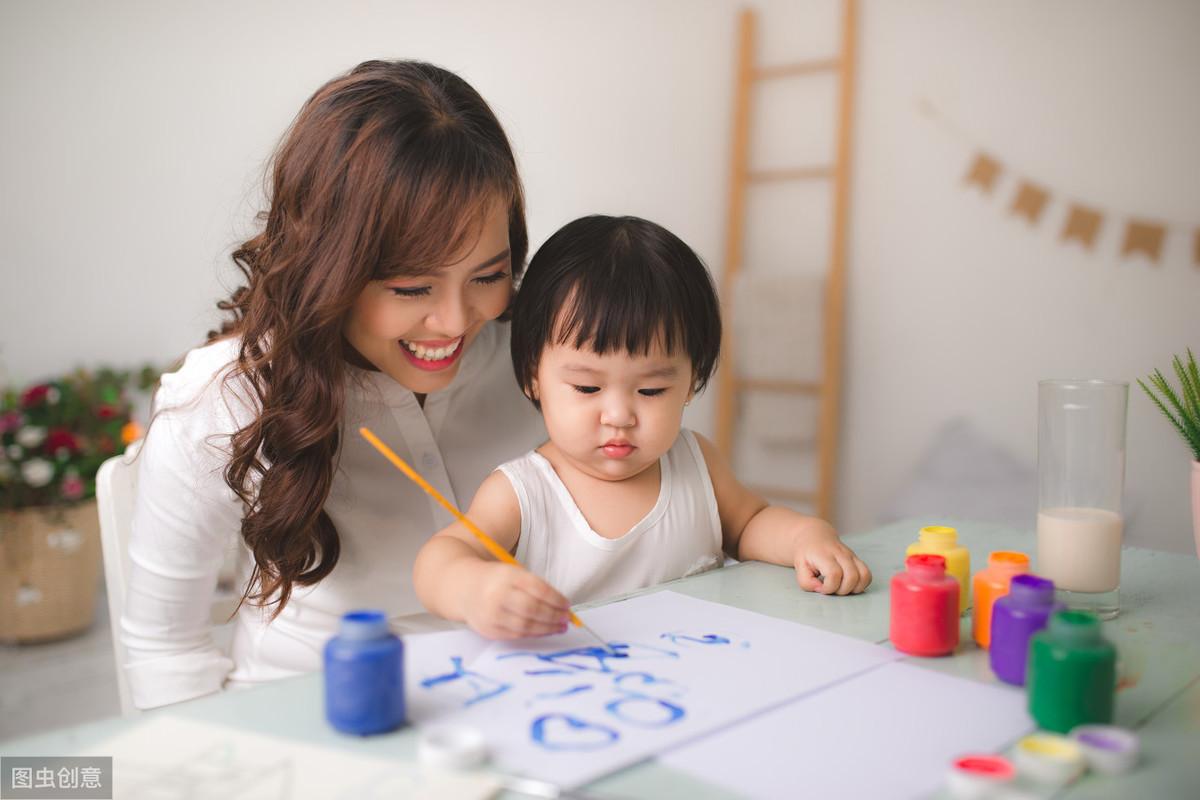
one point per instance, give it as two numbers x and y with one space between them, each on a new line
532 394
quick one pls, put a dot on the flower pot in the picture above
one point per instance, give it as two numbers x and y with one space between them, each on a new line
49 571
1196 504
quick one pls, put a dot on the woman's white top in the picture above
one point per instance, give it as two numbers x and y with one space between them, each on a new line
679 536
185 516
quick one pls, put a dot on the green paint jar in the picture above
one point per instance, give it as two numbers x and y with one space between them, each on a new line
1072 674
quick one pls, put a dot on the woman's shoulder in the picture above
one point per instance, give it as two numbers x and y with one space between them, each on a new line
206 383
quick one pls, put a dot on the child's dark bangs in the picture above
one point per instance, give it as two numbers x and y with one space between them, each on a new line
607 314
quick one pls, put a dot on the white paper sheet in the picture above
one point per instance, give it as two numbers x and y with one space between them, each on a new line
890 732
171 758
558 710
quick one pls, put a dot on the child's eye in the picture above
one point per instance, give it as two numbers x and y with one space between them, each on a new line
651 392
495 277
587 389
409 291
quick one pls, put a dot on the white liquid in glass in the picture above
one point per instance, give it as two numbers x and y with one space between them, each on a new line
1080 548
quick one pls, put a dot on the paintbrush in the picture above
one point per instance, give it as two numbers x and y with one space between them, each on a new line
488 542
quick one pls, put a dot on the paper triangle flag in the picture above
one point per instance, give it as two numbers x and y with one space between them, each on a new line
1083 224
983 172
1145 238
1030 202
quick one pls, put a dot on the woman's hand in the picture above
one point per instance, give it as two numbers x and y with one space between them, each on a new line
509 602
819 552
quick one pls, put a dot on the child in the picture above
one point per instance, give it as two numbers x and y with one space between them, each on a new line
615 328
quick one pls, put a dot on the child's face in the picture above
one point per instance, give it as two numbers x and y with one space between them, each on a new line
612 416
416 329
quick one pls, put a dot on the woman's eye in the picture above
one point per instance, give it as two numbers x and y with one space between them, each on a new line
495 277
651 392
409 291
587 389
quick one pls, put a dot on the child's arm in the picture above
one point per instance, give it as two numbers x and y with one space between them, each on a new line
756 531
455 577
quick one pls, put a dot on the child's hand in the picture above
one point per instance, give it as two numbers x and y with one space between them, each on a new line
819 551
509 602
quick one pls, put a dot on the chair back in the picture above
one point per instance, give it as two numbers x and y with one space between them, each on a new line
116 487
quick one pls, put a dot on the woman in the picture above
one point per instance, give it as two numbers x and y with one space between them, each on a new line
374 296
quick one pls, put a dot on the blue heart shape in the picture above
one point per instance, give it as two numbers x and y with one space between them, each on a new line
566 732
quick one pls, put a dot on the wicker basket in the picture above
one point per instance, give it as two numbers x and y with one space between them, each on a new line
49 572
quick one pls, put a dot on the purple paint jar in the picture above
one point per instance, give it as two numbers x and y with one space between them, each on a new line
1016 617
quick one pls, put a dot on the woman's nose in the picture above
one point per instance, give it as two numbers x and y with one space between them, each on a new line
450 316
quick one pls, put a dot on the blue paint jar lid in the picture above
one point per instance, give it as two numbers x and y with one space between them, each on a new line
362 625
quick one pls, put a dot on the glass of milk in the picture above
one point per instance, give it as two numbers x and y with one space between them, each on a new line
1081 476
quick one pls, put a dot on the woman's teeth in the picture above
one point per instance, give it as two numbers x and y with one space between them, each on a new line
432 353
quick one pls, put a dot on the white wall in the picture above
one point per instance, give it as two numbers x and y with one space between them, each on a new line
135 135
957 308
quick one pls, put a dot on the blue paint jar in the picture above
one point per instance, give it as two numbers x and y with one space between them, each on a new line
364 675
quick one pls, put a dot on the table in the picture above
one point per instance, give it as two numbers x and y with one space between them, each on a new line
1157 635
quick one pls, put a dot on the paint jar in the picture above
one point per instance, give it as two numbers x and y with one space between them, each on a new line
1072 673
1081 476
1016 617
943 541
924 607
989 585
364 675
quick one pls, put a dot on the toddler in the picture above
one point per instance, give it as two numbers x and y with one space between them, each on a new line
615 328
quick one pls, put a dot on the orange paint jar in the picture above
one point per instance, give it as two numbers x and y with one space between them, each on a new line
989 585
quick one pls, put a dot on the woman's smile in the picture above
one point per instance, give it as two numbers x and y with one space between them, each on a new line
433 355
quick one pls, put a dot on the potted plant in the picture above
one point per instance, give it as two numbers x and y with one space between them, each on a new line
1182 408
53 438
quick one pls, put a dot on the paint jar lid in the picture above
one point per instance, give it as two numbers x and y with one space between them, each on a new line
978 776
1049 758
940 536
1075 626
363 624
452 747
1107 748
1008 560
1031 590
926 566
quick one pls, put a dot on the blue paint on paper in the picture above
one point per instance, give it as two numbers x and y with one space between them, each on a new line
708 638
484 687
565 732
637 682
644 711
586 687
592 658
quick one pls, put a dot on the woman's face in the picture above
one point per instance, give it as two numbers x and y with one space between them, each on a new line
416 329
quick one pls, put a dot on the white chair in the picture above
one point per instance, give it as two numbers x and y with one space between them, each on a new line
116 487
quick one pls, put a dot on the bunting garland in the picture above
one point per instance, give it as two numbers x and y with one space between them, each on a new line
1083 222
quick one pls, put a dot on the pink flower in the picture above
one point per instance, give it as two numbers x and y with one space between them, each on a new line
61 438
11 421
34 395
72 487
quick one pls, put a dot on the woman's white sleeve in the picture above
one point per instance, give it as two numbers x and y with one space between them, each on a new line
184 519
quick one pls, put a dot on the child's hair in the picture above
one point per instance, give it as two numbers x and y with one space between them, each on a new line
616 283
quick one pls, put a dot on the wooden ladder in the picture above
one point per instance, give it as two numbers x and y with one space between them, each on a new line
730 383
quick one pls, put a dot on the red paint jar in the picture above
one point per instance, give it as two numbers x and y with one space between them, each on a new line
924 607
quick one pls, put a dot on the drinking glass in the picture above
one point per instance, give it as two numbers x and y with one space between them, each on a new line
1081 476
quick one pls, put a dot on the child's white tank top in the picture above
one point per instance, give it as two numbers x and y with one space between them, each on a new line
680 536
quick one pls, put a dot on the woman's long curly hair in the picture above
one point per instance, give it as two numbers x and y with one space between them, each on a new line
387 170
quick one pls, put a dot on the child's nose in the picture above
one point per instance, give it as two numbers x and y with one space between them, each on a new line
618 415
